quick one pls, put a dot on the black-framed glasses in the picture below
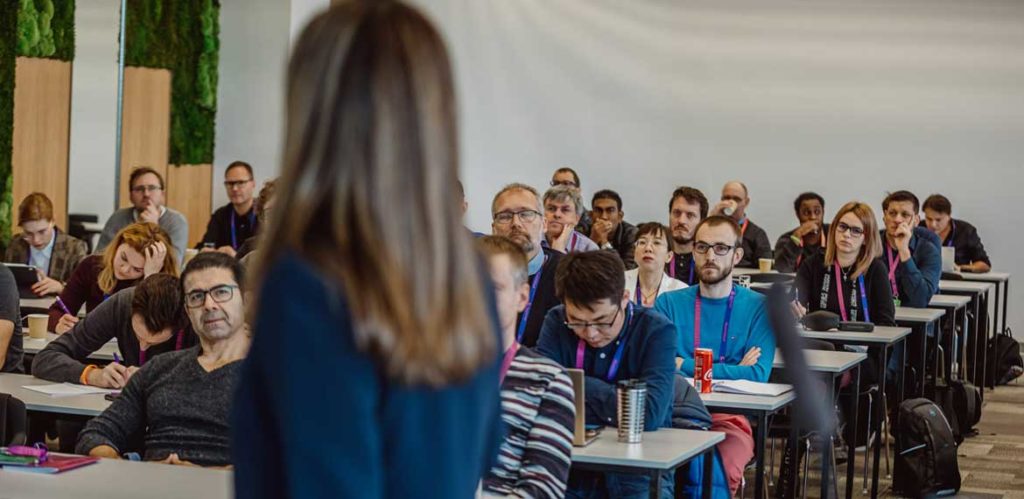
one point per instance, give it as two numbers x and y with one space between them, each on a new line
231 184
702 248
841 227
140 189
568 183
603 326
526 216
220 294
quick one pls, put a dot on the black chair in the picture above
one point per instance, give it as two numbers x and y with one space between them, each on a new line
13 421
76 227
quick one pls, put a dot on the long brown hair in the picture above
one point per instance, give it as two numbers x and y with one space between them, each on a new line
367 190
137 236
872 246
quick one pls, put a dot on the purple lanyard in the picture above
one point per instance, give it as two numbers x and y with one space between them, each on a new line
613 369
893 263
506 363
177 346
725 324
639 296
252 222
572 243
525 316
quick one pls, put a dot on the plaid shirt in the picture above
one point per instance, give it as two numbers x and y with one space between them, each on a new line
67 252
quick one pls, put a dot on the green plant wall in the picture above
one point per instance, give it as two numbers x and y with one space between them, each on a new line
8 52
46 29
182 36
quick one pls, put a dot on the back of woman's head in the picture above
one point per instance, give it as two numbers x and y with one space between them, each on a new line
137 236
366 193
871 247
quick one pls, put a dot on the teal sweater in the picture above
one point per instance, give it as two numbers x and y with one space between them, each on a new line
749 327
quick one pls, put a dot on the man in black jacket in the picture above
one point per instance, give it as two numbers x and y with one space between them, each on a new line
970 253
797 245
609 230
754 240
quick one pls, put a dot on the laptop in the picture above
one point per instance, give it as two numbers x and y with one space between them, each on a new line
582 435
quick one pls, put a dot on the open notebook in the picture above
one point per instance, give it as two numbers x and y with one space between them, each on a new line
67 389
746 387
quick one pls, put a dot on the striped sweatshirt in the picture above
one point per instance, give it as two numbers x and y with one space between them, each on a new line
538 412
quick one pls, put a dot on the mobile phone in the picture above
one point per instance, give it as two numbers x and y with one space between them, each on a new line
112 396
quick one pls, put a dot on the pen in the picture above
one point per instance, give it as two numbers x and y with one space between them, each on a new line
63 306
117 358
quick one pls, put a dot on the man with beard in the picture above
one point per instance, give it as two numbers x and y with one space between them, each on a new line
733 321
686 209
177 404
517 214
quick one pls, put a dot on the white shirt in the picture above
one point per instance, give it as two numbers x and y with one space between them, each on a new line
667 284
40 259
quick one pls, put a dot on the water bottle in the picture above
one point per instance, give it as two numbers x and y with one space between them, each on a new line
632 396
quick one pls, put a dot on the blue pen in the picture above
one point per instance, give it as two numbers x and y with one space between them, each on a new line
63 306
117 358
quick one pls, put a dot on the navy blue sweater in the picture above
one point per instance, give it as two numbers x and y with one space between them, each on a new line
314 416
649 355
917 279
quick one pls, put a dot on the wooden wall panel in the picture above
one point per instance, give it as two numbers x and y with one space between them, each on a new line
189 190
42 134
145 123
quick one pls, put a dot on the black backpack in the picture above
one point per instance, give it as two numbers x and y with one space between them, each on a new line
960 402
926 464
1006 364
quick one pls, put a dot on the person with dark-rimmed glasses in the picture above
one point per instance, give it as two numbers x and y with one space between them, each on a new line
147 194
517 213
599 330
232 224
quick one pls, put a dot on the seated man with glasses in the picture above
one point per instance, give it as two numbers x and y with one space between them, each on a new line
147 196
517 214
178 404
598 330
234 223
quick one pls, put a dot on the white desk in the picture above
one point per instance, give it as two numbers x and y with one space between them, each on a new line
978 355
949 301
882 335
966 286
825 361
116 479
746 271
662 450
919 315
78 405
33 346
41 303
999 278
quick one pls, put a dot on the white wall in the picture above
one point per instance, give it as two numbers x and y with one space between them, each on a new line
254 40
91 166
851 99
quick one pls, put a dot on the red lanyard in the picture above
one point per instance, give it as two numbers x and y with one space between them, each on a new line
572 243
725 323
510 354
177 346
743 228
894 261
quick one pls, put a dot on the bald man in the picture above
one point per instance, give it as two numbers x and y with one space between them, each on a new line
734 202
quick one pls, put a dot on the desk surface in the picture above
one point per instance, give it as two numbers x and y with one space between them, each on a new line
882 335
116 479
34 345
80 405
41 303
825 361
949 301
966 286
985 276
747 402
662 450
919 315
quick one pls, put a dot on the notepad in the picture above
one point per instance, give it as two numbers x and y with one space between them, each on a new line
67 389
54 464
747 387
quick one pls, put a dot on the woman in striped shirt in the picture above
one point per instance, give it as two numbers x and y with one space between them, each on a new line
536 393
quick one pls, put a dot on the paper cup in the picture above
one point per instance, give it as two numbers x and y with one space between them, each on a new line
765 264
37 325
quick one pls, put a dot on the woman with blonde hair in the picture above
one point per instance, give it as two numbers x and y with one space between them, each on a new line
375 359
136 252
848 279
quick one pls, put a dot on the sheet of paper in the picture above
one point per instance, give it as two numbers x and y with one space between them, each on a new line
67 389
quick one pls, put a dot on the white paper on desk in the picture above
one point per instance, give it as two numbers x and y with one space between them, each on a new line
747 387
67 389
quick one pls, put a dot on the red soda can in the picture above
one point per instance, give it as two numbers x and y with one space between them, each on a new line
702 369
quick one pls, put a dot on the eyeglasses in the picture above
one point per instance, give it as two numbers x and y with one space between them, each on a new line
720 249
233 184
856 231
220 294
654 243
140 189
569 183
601 326
525 216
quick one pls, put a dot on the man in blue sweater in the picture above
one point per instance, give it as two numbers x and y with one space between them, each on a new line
733 321
597 329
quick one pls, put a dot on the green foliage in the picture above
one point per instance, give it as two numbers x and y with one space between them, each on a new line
8 51
182 36
46 28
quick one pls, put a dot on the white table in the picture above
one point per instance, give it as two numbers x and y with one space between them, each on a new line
759 407
997 278
660 451
825 361
920 319
117 479
978 356
33 346
40 303
77 405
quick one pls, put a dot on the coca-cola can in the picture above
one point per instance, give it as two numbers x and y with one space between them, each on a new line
702 369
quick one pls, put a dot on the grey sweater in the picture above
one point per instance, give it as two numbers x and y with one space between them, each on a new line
172 222
173 406
64 358
10 310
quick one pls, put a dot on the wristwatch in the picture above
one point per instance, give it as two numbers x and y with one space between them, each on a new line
607 246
